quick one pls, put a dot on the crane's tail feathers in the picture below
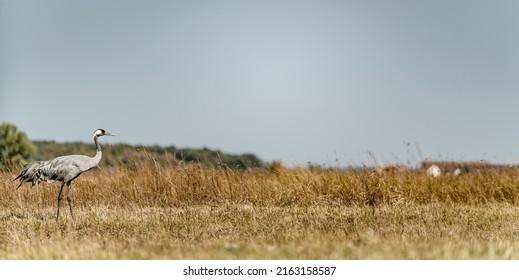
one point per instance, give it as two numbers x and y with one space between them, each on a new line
34 173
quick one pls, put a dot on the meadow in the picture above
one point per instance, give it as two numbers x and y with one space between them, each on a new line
152 211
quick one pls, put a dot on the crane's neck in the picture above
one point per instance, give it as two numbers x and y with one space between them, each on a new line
99 153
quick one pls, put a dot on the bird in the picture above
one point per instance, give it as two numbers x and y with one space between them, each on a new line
63 169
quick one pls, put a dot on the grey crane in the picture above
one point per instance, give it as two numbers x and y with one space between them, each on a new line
64 169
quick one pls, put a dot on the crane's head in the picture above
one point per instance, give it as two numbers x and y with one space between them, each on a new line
102 132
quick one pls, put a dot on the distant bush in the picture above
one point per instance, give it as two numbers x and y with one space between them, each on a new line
15 147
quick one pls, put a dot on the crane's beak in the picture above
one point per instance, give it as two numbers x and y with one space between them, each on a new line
109 134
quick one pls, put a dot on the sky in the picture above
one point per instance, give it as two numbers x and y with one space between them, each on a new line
331 82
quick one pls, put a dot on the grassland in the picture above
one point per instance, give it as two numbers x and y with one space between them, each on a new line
195 212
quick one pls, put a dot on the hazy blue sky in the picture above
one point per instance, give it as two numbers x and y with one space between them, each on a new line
293 80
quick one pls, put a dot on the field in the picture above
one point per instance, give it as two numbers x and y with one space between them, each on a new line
196 212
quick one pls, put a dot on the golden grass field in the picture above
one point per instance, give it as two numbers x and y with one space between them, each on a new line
195 212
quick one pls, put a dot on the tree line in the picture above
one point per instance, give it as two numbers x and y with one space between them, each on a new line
16 150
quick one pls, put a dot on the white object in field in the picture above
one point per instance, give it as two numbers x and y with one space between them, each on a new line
434 171
457 172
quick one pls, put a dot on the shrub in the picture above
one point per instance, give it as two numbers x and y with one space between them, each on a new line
15 148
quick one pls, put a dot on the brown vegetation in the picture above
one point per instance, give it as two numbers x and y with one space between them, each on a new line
190 211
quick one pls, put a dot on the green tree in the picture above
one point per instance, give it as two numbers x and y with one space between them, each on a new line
15 147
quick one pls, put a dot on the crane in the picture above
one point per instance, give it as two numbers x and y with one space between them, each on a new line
64 169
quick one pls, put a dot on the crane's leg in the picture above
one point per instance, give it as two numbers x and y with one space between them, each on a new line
59 200
69 198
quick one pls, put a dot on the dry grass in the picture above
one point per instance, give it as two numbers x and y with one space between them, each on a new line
193 212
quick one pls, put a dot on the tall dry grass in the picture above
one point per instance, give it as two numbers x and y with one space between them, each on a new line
153 211
196 185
